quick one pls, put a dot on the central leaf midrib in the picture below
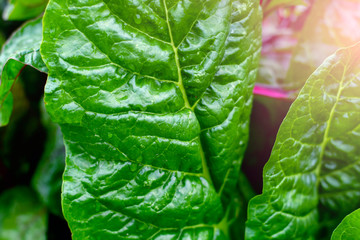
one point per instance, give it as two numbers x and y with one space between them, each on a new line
327 130
180 80
206 172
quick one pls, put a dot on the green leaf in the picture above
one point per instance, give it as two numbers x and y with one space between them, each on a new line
349 228
7 103
23 9
22 49
21 215
315 161
47 179
153 99
332 24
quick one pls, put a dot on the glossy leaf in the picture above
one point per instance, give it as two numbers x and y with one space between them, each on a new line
21 215
315 161
153 99
349 228
332 24
22 49
47 180
23 9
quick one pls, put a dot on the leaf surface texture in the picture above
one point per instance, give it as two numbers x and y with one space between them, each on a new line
153 99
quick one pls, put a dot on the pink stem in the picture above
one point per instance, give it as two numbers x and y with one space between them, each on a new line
272 92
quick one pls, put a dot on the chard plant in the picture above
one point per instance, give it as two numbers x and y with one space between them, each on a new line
145 119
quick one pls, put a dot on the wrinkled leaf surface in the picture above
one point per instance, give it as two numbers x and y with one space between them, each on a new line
153 99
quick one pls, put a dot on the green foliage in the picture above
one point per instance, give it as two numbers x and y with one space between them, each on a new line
156 122
349 228
152 100
22 216
22 49
315 161
47 179
23 9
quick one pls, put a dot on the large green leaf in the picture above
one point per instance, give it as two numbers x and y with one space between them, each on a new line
315 162
349 228
153 99
332 24
22 49
21 215
23 9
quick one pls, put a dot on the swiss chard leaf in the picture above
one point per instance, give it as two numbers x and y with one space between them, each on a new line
315 161
23 9
22 49
153 99
332 24
22 216
349 228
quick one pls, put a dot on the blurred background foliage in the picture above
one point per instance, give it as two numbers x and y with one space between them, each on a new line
32 153
297 36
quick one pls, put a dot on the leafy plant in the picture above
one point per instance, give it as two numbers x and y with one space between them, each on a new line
156 114
314 161
152 101
22 49
349 227
23 9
